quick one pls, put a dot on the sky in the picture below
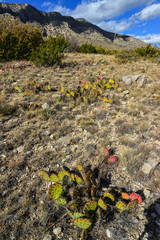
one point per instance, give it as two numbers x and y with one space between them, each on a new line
137 18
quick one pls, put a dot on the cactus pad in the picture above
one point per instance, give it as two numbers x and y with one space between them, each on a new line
134 196
90 206
43 175
55 191
76 178
83 223
102 204
63 173
109 195
132 204
125 195
75 214
54 178
121 205
61 201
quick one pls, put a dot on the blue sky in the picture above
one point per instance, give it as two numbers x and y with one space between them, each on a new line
138 18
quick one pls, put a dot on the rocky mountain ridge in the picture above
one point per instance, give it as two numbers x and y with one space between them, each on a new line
79 31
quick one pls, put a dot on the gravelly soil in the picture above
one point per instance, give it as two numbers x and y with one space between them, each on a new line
44 130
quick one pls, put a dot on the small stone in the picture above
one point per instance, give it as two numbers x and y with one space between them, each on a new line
47 237
109 233
45 106
4 156
149 165
47 133
147 193
65 140
57 231
20 149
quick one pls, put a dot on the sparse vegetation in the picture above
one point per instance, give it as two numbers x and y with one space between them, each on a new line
17 40
49 53
80 191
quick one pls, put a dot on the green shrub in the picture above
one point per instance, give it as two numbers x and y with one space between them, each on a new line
17 40
149 51
87 48
126 56
51 52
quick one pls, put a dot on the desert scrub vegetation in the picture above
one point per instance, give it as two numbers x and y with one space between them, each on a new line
51 52
127 56
89 48
86 196
17 40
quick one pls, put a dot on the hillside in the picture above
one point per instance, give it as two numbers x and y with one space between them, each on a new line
42 129
78 31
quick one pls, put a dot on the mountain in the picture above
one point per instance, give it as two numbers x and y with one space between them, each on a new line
79 31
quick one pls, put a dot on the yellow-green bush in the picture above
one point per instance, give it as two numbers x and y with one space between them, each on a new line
125 56
50 52
149 51
17 40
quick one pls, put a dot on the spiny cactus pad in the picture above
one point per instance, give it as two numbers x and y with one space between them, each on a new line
55 191
75 214
76 178
61 201
44 175
132 204
121 205
109 195
125 195
54 178
63 173
102 204
90 206
83 223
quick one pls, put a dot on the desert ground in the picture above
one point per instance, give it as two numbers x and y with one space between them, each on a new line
43 129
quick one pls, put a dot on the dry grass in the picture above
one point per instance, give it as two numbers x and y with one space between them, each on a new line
129 126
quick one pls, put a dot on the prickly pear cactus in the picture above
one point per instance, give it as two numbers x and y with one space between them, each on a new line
90 206
44 175
55 191
80 192
83 223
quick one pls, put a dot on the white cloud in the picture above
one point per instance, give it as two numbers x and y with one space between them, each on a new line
97 11
62 10
150 38
149 12
46 4
117 26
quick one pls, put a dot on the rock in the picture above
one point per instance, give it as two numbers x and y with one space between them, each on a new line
130 79
47 133
47 237
20 149
109 233
57 231
147 192
65 140
45 106
149 166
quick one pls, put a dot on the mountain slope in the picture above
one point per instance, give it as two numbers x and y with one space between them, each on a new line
78 30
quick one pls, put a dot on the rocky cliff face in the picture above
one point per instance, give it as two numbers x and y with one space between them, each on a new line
78 31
